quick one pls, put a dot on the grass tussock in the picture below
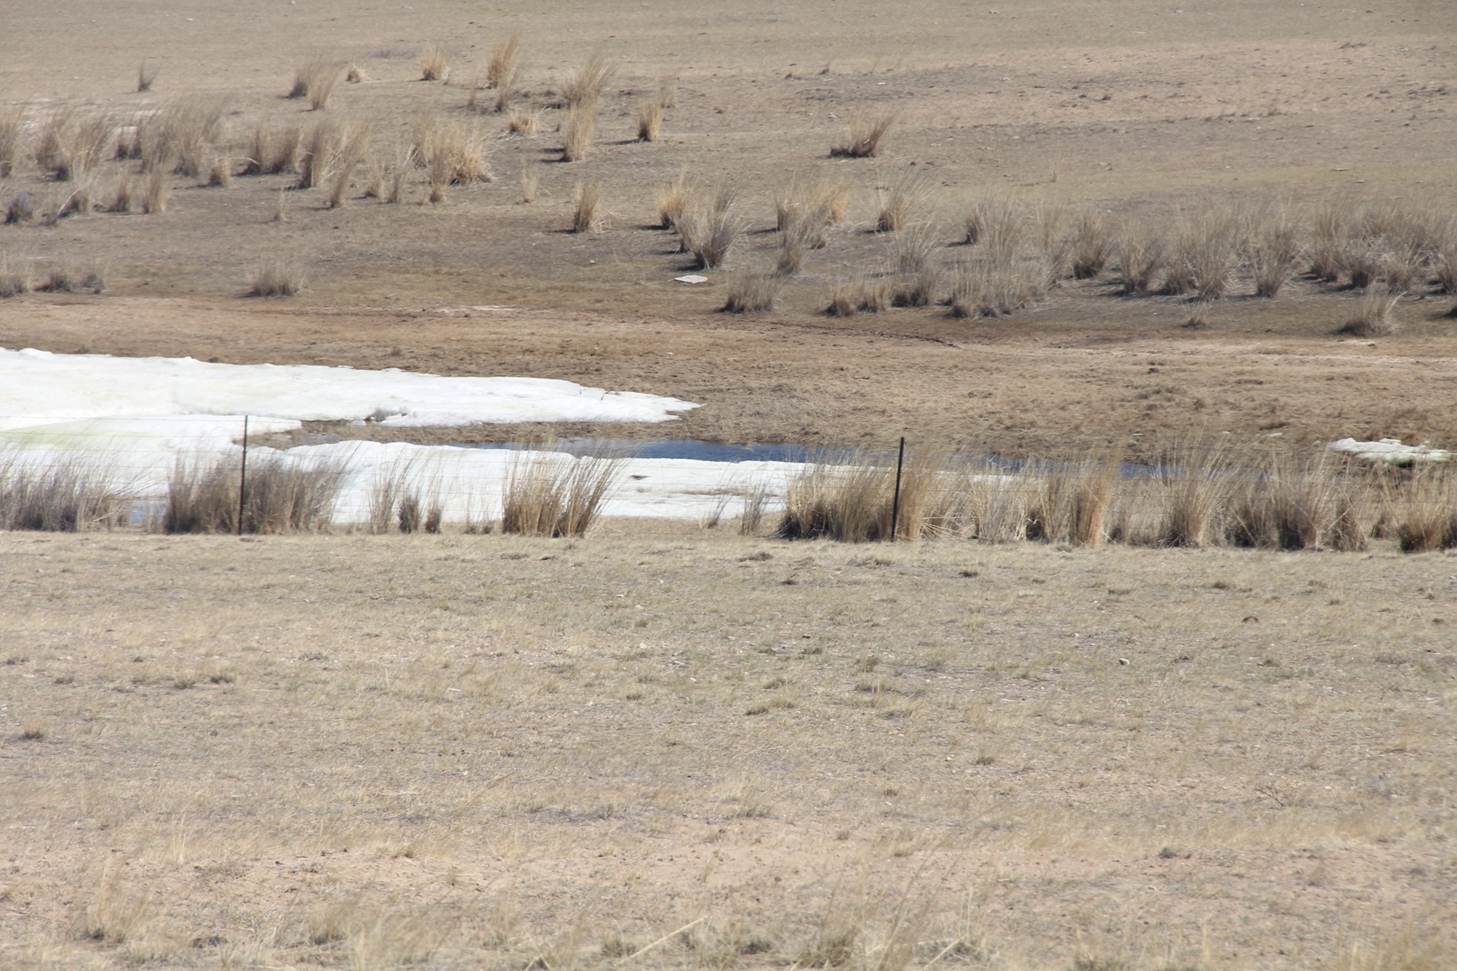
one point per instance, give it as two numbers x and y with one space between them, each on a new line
354 74
451 153
672 202
903 202
1140 255
1426 516
1374 315
584 85
852 498
434 62
329 155
73 493
554 494
12 134
315 80
156 191
282 495
14 277
530 182
520 122
1273 249
181 137
1204 253
992 287
587 211
146 76
271 150
710 230
73 143
866 134
751 292
1092 244
649 122
276 278
577 129
504 66
20 210
66 277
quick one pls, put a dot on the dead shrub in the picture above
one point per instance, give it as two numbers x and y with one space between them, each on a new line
275 278
577 130
553 494
1373 317
282 495
69 493
751 293
649 122
434 62
583 86
866 135
586 217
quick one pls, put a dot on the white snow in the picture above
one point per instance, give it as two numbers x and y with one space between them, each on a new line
136 417
1390 451
38 386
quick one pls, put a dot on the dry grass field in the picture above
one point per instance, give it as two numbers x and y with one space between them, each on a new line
464 752
663 746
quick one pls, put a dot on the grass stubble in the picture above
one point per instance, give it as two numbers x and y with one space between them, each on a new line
963 738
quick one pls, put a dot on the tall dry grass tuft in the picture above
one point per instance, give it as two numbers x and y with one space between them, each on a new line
1140 259
71 493
1091 244
1192 486
1068 501
1427 511
156 191
452 153
434 62
504 65
20 210
1300 502
752 293
283 495
14 277
584 85
351 151
1329 237
1272 248
996 287
1444 252
668 91
12 132
710 232
649 122
586 217
145 78
270 151
72 143
916 289
275 278
1204 253
672 202
522 122
751 516
1373 316
866 134
901 203
67 277
577 129
530 181
851 498
1056 245
914 244
553 494
323 76
121 194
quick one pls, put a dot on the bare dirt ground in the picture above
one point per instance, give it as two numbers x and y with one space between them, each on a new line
485 751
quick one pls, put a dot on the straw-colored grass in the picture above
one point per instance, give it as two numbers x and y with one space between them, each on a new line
672 202
1374 315
711 231
282 495
852 498
70 493
649 122
586 213
12 132
530 181
577 128
505 62
1204 253
1273 249
14 277
1141 257
156 191
67 277
276 278
434 62
553 494
1427 516
903 202
1092 244
146 76
752 292
583 86
866 134
522 122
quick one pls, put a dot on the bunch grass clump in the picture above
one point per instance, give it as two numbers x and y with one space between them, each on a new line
12 132
584 85
70 493
434 62
577 129
1273 249
586 215
866 134
275 278
711 230
282 496
649 122
904 201
553 494
752 292
1374 314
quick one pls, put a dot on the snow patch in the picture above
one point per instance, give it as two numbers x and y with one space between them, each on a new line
1391 451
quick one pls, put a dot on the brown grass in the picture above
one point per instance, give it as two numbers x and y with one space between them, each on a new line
67 277
866 134
283 496
1141 259
914 244
901 203
20 210
156 190
276 278
519 122
12 132
1273 249
1373 316
1204 253
220 176
354 74
146 77
530 181
553 494
434 62
1427 517
577 127
851 498
991 287
77 492
505 62
14 277
649 122
752 292
584 85
1329 238
672 202
586 214
322 78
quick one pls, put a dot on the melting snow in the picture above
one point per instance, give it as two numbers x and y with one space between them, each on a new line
1390 451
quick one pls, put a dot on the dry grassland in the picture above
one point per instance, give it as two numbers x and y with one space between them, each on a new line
463 752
